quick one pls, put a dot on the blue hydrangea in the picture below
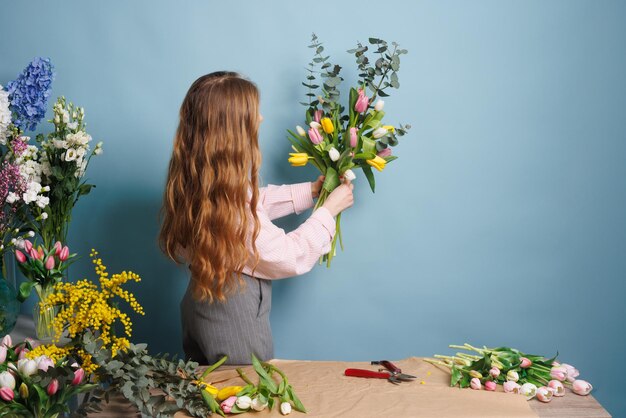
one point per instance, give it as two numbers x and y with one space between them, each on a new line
29 93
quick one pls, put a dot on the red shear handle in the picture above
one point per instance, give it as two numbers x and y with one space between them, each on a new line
390 366
366 373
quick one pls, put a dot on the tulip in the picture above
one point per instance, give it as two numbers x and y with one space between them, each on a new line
23 391
525 363
377 162
315 136
298 159
21 353
244 402
49 263
379 105
494 372
7 341
21 258
581 387
64 254
529 390
28 246
476 374
315 125
512 376
349 175
285 408
544 394
511 387
44 362
475 383
27 367
78 377
257 405
33 254
490 385
3 353
379 133
572 372
557 388
57 248
333 154
317 115
558 373
300 130
227 404
384 153
354 137
40 253
362 102
7 380
53 387
327 125
6 394
390 128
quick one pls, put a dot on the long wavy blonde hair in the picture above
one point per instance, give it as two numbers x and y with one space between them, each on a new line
211 194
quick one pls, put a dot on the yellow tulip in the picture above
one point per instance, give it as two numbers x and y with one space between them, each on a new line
227 392
327 125
377 162
298 159
211 389
390 128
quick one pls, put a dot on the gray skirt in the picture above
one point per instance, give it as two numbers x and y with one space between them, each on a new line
238 327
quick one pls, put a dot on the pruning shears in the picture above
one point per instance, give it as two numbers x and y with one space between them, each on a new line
393 373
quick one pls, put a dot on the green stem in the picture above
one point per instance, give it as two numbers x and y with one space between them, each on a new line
213 367
245 377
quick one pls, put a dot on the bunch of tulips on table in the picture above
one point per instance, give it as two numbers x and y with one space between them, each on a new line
517 372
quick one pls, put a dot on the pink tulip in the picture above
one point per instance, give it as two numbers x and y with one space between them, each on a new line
53 386
3 353
384 153
558 373
511 387
494 372
526 363
49 263
557 388
353 137
7 341
581 387
362 102
22 353
475 383
490 385
78 377
21 258
64 254
572 372
28 245
317 115
44 363
227 405
544 394
33 254
7 394
315 136
57 248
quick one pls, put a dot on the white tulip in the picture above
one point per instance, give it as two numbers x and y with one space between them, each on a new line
257 405
3 351
244 402
27 367
6 340
379 133
333 154
7 380
285 408
315 125
349 175
300 130
512 376
529 390
379 105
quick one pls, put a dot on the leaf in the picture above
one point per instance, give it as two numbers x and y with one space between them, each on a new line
367 170
84 189
271 385
455 375
25 289
332 180
297 404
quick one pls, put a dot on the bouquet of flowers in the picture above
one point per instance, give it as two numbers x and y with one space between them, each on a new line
519 373
337 139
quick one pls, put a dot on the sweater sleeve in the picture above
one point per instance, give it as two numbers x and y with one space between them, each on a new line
283 255
279 201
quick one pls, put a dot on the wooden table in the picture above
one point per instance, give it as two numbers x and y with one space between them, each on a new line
571 406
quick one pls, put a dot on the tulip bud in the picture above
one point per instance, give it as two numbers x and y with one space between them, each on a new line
315 136
490 385
581 387
7 341
3 353
244 402
362 102
315 125
227 404
354 138
476 374
317 115
26 367
33 254
557 388
23 391
333 154
40 253
525 363
349 175
379 133
511 387
49 263
64 254
285 408
529 390
379 105
512 376
28 246
21 258
475 383
494 372
327 125
7 380
572 372
21 353
257 405
57 248
6 394
384 153
44 363
558 373
300 130
544 394
78 377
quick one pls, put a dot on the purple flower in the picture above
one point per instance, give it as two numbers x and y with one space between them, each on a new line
29 93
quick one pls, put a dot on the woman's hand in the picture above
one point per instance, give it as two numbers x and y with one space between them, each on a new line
340 199
316 186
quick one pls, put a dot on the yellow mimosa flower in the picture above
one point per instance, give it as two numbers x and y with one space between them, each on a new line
377 162
298 159
327 125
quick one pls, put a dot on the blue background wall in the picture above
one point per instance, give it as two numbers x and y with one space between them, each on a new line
501 223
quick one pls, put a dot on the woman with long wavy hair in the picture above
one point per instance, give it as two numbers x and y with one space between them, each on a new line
217 220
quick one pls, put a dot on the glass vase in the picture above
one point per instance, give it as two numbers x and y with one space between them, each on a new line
44 316
9 305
